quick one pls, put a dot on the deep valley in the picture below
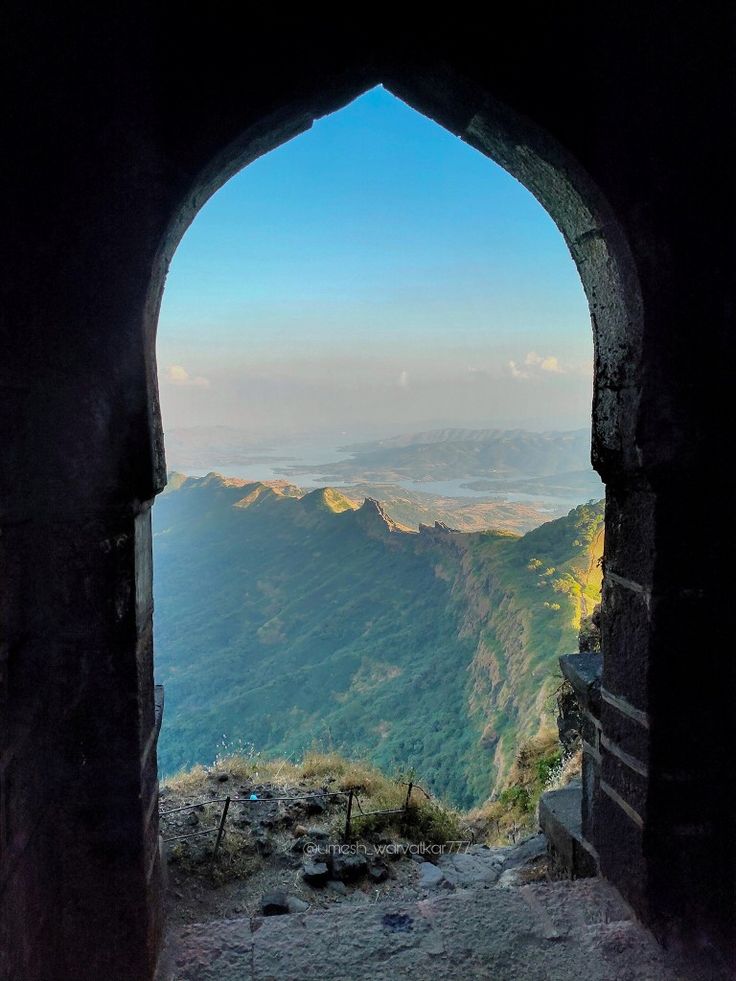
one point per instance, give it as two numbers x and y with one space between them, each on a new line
291 621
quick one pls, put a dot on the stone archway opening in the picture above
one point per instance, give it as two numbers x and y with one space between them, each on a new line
147 119
596 243
506 207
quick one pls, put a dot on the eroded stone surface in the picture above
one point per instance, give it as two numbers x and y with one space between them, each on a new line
470 869
545 932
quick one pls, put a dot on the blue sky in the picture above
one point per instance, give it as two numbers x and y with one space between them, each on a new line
374 273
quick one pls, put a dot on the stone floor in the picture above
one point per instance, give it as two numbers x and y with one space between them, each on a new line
554 931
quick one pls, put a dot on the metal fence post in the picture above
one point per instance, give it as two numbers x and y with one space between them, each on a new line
221 829
408 798
349 813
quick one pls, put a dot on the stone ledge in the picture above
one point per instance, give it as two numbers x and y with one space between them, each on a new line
584 671
561 821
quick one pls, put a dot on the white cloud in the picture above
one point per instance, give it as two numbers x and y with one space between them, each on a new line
177 374
404 379
516 371
535 364
551 363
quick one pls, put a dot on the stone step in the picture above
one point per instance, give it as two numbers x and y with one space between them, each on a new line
544 932
560 820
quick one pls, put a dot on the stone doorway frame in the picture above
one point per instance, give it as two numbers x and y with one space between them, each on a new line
76 545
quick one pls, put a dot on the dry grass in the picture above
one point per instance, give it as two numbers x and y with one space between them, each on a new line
426 820
187 782
358 775
538 767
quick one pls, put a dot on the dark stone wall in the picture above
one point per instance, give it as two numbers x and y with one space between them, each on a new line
119 126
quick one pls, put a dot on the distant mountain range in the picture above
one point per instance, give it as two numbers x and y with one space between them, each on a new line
440 454
288 620
518 438
451 454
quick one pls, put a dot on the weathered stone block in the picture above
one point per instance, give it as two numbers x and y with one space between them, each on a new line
625 732
625 632
631 786
631 549
590 785
620 846
559 819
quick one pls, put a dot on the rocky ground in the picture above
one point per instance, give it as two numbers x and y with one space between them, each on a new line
290 856
286 900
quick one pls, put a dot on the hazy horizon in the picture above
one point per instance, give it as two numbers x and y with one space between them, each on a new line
374 276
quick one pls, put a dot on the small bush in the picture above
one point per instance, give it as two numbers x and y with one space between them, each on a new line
547 765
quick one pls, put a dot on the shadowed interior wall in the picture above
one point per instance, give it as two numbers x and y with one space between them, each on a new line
121 126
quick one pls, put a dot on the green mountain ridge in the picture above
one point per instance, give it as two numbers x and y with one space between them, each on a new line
292 620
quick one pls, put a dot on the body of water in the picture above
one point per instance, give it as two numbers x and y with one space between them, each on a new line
268 463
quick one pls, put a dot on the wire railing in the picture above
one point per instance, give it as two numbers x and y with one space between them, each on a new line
351 796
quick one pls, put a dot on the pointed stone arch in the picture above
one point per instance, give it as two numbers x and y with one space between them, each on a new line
129 124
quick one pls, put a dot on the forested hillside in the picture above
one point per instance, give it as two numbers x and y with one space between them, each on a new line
291 621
